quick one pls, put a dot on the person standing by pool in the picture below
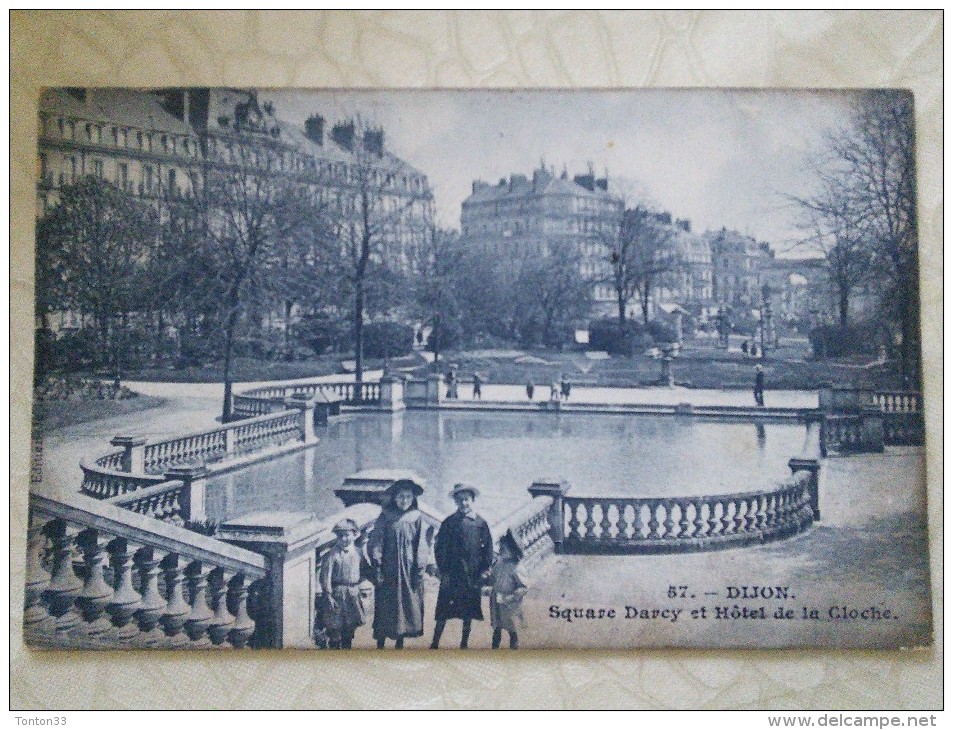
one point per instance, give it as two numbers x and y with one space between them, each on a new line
564 387
477 392
759 385
529 389
400 555
509 586
464 553
340 579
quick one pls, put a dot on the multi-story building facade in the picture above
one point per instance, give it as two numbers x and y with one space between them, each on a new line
737 264
151 143
526 217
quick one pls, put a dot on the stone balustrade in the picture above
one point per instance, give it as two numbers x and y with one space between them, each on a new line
102 482
260 401
904 428
648 525
899 401
99 576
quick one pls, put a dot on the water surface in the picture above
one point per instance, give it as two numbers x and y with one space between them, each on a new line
503 453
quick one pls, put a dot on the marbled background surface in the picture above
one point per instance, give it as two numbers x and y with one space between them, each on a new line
489 49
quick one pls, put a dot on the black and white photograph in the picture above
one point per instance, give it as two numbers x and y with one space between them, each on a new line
417 370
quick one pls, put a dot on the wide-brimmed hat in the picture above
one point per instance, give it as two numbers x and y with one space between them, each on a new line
410 484
759 367
512 543
461 487
346 525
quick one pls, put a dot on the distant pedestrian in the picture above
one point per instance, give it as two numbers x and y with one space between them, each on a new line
759 385
744 347
340 578
554 392
529 389
564 387
754 351
509 586
477 383
451 381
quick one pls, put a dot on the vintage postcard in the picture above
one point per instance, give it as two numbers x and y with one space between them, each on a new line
476 370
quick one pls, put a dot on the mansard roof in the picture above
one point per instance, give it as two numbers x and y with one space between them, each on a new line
521 186
124 107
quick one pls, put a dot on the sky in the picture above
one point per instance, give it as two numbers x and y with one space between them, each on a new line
719 158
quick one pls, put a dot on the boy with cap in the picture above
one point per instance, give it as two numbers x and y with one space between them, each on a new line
340 581
464 553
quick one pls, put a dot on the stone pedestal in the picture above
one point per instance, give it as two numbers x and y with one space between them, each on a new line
433 390
668 377
392 393
557 489
872 429
325 406
134 453
814 467
305 404
369 485
193 480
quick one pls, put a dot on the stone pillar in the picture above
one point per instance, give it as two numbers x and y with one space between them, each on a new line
193 480
813 466
289 541
305 405
433 389
392 393
134 454
872 429
557 490
668 377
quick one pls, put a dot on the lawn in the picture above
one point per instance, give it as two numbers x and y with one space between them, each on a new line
51 415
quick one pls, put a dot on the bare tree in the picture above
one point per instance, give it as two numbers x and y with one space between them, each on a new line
436 293
247 210
552 293
641 255
868 178
371 218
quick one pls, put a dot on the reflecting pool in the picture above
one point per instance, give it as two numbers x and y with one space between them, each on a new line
503 453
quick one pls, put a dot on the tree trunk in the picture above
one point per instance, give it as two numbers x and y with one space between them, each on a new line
644 302
289 354
359 330
843 305
227 363
435 336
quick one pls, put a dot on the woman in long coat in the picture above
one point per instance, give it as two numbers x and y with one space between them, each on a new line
400 554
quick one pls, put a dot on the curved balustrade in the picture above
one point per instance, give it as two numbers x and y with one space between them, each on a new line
102 483
200 447
162 502
266 431
269 399
903 429
842 433
899 401
531 527
102 577
112 460
684 524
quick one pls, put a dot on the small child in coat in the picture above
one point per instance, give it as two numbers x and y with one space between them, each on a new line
509 587
340 577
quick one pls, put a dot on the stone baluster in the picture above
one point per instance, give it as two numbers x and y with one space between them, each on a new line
221 622
176 610
96 593
590 523
653 521
701 524
621 525
201 615
604 524
669 523
684 523
574 523
152 605
714 522
125 599
638 525
64 587
36 617
728 518
243 627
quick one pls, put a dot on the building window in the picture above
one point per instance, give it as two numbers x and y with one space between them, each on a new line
98 168
74 169
172 187
147 180
89 132
139 140
125 138
115 133
123 176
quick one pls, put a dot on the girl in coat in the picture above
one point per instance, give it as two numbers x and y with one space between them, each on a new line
509 587
340 580
400 554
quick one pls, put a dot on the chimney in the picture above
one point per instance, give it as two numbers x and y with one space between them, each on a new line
343 134
374 141
314 129
585 181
